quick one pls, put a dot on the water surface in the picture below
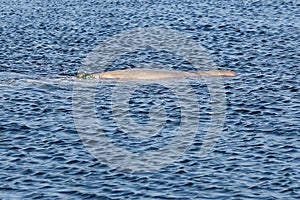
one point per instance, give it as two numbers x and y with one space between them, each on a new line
42 155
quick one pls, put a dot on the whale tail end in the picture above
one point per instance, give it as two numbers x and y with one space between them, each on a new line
214 73
84 76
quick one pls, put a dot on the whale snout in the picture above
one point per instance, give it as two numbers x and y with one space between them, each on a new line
224 73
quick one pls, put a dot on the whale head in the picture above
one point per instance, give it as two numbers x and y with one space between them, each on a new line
214 73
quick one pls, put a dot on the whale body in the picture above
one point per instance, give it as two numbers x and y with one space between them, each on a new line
149 74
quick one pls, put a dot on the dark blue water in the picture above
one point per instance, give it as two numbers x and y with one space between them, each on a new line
43 157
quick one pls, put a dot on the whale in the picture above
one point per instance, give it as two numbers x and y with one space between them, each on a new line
151 74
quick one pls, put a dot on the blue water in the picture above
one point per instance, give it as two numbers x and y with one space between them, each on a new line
42 154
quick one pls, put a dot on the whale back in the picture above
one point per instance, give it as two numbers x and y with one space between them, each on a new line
144 74
148 74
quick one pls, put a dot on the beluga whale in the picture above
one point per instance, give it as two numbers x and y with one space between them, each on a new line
153 74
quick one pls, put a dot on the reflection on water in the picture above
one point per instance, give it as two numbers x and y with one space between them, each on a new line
140 122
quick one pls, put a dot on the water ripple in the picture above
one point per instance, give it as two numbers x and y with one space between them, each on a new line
43 157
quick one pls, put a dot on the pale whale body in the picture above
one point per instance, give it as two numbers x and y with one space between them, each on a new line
149 74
